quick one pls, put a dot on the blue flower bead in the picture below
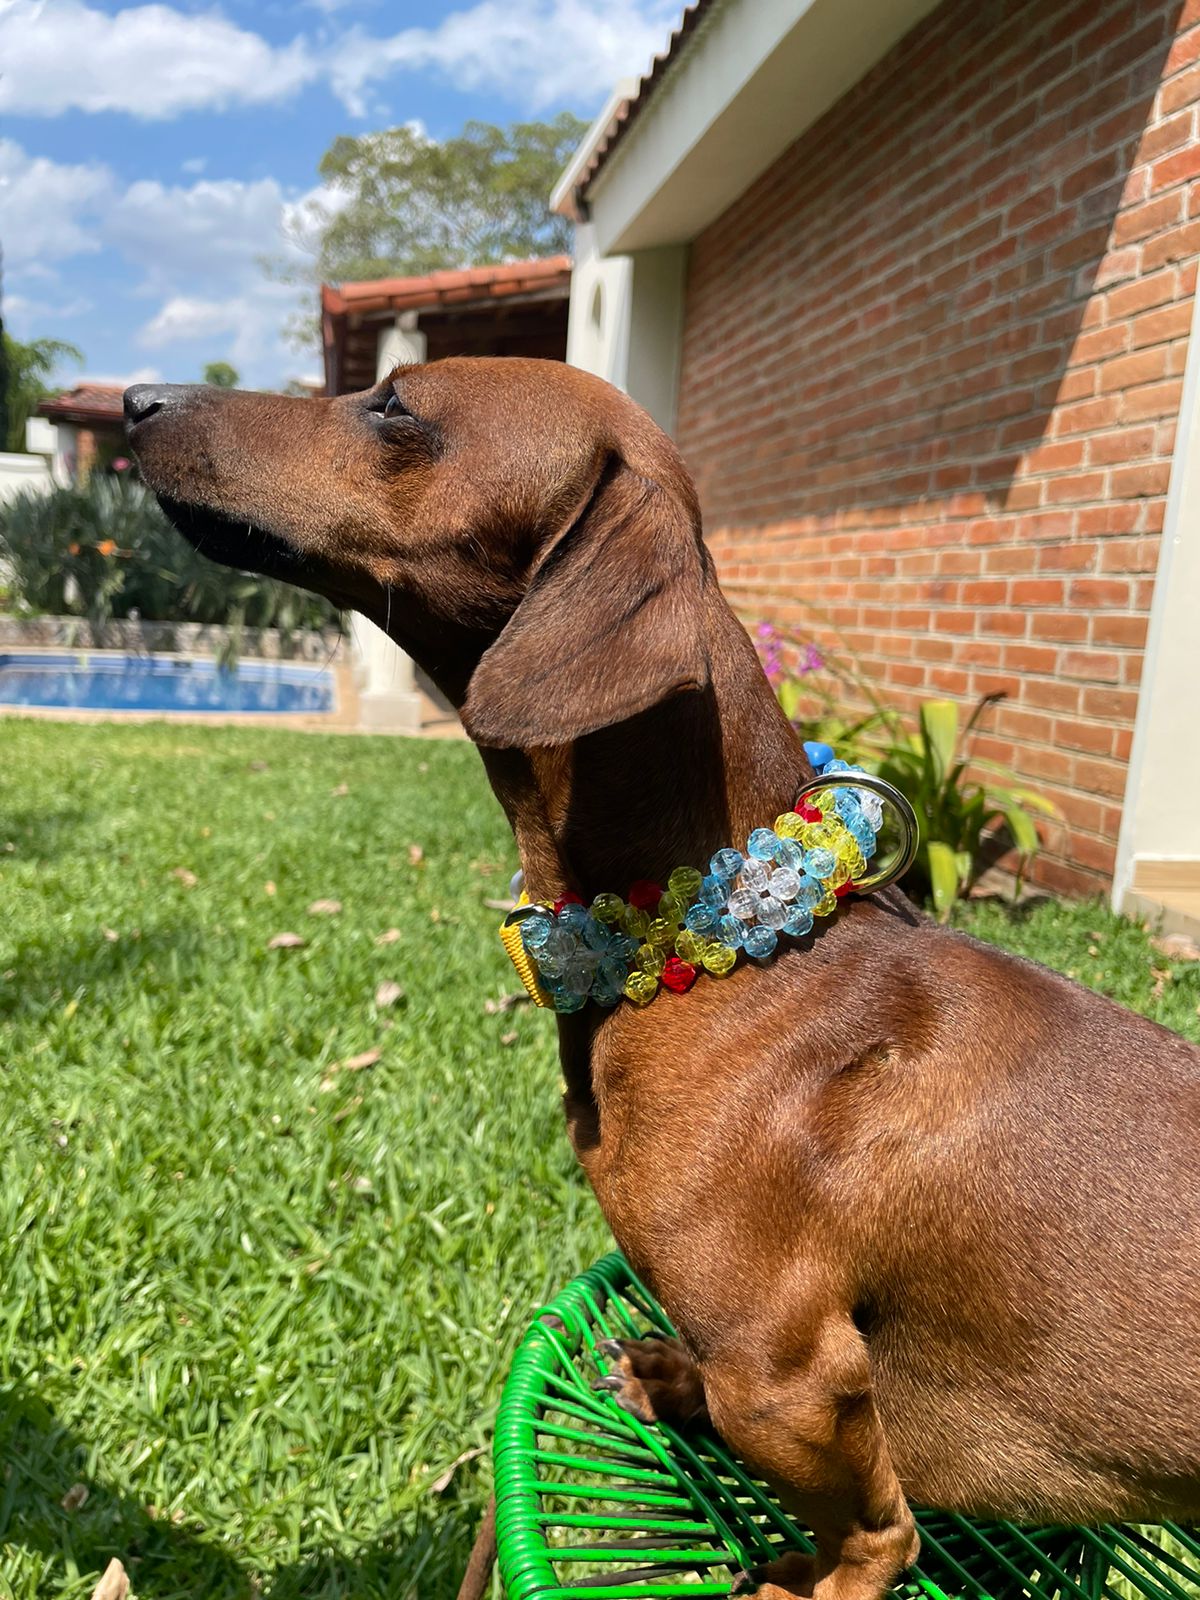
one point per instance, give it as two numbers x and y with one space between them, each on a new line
760 942
763 844
819 755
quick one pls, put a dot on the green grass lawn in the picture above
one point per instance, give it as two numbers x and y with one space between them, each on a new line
254 1304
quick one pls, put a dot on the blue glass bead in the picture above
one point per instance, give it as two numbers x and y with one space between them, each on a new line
834 765
714 891
808 895
595 935
702 918
760 942
848 807
605 996
611 974
566 1000
574 917
763 844
623 947
577 979
864 836
819 863
731 931
726 863
550 966
818 754
791 854
799 922
535 931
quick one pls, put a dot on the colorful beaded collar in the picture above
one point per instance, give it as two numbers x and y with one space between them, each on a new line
788 875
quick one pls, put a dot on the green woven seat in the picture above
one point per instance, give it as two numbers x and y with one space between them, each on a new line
592 1505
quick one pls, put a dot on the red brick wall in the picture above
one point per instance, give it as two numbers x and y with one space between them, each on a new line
932 364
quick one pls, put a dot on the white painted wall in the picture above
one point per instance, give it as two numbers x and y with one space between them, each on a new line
21 473
1161 820
626 321
388 698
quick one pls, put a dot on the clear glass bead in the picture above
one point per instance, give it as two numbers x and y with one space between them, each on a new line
784 884
772 913
754 876
743 904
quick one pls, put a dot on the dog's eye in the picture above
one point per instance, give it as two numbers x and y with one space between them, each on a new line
394 408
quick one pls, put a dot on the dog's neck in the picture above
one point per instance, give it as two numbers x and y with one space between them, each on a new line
664 789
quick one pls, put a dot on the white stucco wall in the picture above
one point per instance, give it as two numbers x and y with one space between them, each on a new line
21 473
1162 810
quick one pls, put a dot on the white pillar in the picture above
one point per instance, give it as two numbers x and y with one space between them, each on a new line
388 698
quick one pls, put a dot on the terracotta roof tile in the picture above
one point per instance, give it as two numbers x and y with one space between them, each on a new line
99 402
451 287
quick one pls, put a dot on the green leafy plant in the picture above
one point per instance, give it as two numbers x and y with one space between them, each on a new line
961 815
105 551
956 810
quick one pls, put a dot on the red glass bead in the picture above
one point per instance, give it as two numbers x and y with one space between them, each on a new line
809 813
568 899
843 889
678 975
644 895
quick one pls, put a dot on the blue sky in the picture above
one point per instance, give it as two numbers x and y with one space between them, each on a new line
151 155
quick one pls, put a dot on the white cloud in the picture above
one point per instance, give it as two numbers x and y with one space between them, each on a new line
48 210
122 380
194 165
545 53
154 61
151 60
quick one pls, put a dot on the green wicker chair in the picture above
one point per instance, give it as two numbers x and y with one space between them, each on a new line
592 1505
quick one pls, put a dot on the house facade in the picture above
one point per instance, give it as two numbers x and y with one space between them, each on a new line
913 289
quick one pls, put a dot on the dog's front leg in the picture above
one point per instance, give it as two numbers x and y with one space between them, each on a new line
800 1409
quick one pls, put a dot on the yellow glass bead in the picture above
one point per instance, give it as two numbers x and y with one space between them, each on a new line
839 875
718 958
635 922
824 835
790 825
608 908
690 946
662 933
685 883
651 958
857 862
826 905
641 988
671 908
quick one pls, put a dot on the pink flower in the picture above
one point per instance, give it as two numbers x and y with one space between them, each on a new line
121 464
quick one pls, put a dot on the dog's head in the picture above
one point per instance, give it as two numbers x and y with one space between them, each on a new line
520 527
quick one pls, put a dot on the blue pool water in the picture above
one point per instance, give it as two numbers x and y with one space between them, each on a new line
96 681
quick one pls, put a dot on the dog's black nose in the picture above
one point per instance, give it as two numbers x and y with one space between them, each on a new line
144 399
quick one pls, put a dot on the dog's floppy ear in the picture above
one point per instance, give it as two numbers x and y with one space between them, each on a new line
612 622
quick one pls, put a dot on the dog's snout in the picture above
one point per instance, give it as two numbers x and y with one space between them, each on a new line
142 400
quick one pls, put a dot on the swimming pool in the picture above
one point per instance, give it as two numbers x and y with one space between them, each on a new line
108 681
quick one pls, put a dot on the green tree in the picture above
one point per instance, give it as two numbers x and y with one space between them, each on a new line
413 204
221 375
27 367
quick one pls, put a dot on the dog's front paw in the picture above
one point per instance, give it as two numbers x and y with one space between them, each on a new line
654 1379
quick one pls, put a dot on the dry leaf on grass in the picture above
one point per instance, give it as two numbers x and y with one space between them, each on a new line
342 788
268 887
1177 947
392 936
187 878
1161 976
325 908
358 1063
259 766
500 905
286 941
343 1112
505 1003
110 934
75 1497
114 1584
415 855
442 1482
509 1038
387 994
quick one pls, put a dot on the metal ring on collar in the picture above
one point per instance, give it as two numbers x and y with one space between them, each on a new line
531 908
906 854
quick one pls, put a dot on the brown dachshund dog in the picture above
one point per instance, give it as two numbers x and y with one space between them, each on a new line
926 1216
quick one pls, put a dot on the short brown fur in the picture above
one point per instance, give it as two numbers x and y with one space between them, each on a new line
925 1215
